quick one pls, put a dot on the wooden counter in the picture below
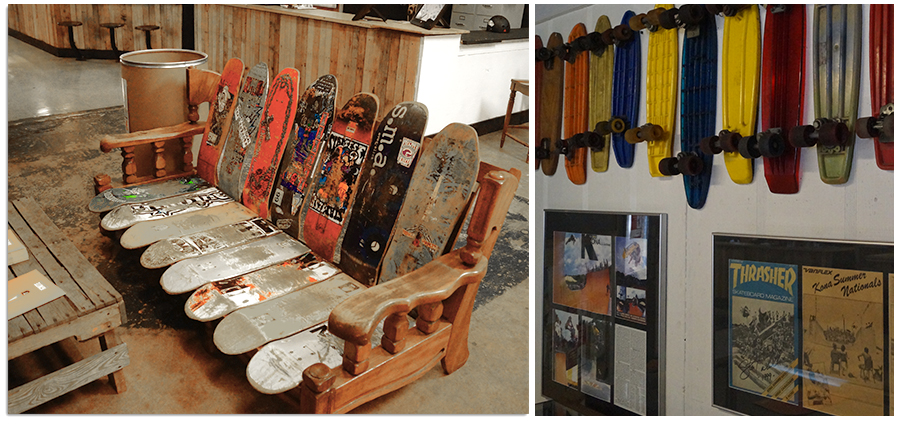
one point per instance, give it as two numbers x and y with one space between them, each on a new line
366 55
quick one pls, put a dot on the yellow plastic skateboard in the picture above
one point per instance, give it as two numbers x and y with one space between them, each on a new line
662 88
600 105
740 85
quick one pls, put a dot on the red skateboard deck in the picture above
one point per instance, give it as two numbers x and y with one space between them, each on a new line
576 108
315 110
334 186
221 112
274 129
881 73
783 67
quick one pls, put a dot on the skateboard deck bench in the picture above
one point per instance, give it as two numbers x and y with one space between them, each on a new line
442 292
90 309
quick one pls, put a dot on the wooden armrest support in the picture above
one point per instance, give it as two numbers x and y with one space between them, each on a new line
355 319
117 141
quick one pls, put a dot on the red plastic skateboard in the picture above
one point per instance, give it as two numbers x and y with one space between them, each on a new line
274 130
221 111
880 126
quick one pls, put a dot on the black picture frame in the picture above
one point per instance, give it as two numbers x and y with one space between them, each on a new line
802 326
604 278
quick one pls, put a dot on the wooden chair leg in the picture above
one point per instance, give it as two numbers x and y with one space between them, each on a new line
509 106
116 379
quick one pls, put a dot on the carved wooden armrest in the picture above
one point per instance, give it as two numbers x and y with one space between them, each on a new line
355 319
157 137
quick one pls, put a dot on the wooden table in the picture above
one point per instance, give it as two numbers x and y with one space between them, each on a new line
90 309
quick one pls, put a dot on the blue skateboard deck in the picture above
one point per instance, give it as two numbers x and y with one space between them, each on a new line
626 93
698 105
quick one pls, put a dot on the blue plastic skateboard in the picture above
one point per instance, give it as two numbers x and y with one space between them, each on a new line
626 93
698 111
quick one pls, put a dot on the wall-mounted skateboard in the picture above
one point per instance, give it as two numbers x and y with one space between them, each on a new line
662 88
575 112
835 89
551 102
880 126
626 94
783 65
600 100
698 106
538 80
740 88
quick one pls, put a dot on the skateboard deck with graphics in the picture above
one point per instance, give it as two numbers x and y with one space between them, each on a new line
835 90
600 101
127 215
146 233
662 89
334 183
437 195
239 146
880 126
252 327
551 101
221 112
315 111
782 94
171 250
626 95
217 299
274 128
538 74
115 197
740 91
698 110
193 273
382 188
575 113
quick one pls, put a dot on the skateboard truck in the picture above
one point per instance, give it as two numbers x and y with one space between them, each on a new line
725 10
594 42
615 125
547 56
618 35
769 144
880 127
649 21
688 17
686 163
646 132
830 133
589 139
725 141
543 151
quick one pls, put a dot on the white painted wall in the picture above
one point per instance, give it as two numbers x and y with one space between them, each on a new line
470 83
861 209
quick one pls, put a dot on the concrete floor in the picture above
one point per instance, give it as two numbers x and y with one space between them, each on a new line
53 159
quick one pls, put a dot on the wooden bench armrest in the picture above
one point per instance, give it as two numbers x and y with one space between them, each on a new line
354 320
117 141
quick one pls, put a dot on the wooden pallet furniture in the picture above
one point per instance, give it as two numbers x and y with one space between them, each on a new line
91 309
442 293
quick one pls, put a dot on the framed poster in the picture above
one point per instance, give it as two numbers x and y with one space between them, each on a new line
604 312
802 326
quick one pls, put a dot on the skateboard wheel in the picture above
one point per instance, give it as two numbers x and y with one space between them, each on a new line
728 141
690 164
543 54
636 22
607 37
653 16
865 127
771 144
667 19
887 129
747 147
801 136
582 43
593 140
622 33
543 151
652 132
602 128
709 145
833 134
632 136
596 44
669 166
715 9
691 14
617 125
732 10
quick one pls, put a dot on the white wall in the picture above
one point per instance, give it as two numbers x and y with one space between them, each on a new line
470 83
861 209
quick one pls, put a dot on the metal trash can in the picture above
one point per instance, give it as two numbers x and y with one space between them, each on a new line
155 86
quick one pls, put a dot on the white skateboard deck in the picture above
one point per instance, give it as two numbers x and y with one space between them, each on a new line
146 233
171 250
127 215
115 197
217 299
193 273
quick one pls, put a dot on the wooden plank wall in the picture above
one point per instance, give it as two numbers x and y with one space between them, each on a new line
39 21
380 61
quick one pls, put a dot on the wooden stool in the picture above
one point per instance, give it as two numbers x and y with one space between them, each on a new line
112 34
147 29
71 25
520 86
